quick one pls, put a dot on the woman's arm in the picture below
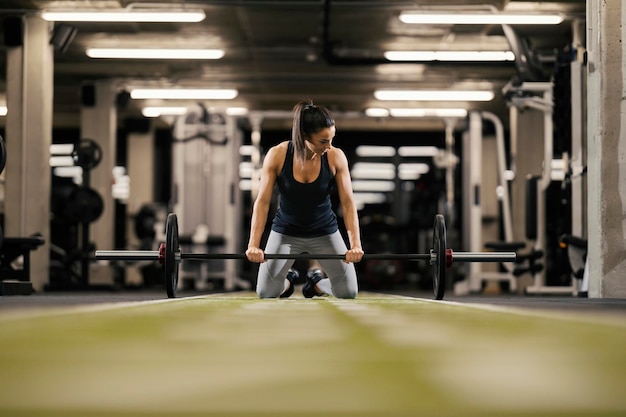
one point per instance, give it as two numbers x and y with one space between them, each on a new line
261 206
348 208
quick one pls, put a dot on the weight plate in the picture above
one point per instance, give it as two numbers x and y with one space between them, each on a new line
439 263
87 154
171 248
84 205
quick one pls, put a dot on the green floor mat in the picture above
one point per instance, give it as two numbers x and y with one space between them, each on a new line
235 355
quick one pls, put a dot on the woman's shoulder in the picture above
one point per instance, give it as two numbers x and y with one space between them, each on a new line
336 156
276 154
280 149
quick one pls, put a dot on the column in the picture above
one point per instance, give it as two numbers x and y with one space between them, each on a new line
606 138
30 91
98 121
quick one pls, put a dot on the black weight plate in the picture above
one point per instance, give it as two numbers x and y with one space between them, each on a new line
3 154
87 154
439 264
84 205
171 248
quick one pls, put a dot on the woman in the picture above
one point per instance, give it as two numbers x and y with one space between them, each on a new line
305 169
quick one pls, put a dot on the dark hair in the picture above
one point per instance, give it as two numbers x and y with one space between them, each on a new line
308 119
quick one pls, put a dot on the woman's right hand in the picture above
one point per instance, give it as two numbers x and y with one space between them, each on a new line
255 254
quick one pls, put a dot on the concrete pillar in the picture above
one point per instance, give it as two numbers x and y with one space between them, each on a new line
98 121
606 148
30 90
140 161
140 169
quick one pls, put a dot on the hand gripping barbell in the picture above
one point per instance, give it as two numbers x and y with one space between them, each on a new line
440 256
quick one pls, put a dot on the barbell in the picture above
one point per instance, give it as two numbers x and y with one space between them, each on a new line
440 256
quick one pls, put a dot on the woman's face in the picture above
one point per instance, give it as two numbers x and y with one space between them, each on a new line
320 142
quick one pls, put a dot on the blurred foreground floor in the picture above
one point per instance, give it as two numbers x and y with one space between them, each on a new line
139 354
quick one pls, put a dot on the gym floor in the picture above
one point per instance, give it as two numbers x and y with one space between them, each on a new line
231 354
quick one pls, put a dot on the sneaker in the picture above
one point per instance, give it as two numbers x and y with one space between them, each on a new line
312 277
292 275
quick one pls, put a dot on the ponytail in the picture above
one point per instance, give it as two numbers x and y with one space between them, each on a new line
308 119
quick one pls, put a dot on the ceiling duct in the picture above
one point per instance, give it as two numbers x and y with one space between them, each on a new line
527 62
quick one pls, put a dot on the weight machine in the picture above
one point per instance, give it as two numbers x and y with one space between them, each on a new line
477 212
537 96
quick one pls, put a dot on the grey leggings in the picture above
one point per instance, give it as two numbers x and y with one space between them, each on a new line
272 273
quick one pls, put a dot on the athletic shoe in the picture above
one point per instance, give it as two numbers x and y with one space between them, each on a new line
292 275
312 277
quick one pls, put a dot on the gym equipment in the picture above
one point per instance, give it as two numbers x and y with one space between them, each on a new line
87 154
440 256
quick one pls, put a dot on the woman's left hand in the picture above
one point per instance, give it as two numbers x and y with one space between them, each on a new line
354 255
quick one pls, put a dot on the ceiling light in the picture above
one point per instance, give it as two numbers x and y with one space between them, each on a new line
450 56
376 112
190 15
428 112
163 111
434 95
369 198
417 151
183 94
413 167
155 53
373 170
413 112
373 186
246 169
365 151
236 111
479 19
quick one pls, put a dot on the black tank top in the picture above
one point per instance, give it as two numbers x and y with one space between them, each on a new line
305 210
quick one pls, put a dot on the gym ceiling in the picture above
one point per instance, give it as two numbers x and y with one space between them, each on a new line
277 52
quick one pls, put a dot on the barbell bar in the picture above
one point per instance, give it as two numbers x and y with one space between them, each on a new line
155 255
440 256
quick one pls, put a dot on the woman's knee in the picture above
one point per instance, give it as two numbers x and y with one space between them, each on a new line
348 294
267 293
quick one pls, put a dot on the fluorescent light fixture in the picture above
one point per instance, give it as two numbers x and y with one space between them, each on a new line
61 149
417 112
450 56
129 53
245 185
236 111
373 186
373 171
163 111
375 151
479 19
417 151
369 198
3 110
246 169
246 150
74 172
558 164
412 171
376 112
164 15
183 94
428 112
62 161
434 95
